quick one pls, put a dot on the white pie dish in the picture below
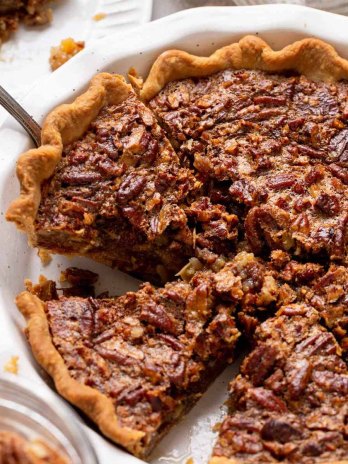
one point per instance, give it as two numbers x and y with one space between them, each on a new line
199 31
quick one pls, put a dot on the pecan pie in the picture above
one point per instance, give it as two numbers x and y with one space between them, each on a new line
324 289
236 164
289 404
134 364
15 449
31 12
177 337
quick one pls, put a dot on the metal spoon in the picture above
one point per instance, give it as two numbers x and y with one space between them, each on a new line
19 113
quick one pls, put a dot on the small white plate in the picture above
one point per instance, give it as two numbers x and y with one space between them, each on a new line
199 31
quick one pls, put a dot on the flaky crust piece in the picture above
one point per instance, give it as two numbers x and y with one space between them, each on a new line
93 403
63 125
313 58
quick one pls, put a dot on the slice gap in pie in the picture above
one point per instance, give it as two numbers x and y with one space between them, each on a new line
289 403
178 337
137 363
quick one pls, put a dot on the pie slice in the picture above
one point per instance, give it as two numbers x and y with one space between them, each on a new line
134 364
107 184
266 141
147 356
289 404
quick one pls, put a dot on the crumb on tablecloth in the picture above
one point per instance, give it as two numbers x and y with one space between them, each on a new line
99 16
44 256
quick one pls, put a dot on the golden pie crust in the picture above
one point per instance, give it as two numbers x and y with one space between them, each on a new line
313 58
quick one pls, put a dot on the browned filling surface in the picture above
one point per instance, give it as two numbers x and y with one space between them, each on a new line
31 12
152 352
15 449
289 404
119 192
273 145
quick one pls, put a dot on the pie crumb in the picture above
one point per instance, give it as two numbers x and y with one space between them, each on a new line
45 256
63 52
99 16
28 285
12 365
216 427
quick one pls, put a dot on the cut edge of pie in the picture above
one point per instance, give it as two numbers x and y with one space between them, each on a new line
250 52
190 366
94 404
63 125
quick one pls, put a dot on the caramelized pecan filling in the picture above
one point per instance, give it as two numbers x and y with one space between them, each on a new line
258 288
154 350
289 404
274 146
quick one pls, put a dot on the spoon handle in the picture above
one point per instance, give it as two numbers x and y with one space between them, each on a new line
19 113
